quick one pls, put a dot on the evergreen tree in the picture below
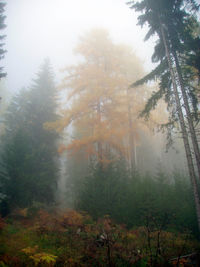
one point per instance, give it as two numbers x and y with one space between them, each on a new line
29 151
168 20
104 191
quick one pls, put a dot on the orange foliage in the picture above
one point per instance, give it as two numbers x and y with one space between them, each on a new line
74 239
101 103
72 218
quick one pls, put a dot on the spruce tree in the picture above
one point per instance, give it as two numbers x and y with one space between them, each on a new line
29 151
168 19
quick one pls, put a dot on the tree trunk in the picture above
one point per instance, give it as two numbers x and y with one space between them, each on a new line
188 113
131 137
99 143
183 128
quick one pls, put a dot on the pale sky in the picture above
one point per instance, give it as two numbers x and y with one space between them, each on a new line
51 28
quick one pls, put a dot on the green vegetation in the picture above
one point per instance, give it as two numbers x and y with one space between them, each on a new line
74 239
131 200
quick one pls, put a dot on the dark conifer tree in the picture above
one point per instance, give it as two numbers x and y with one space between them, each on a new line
29 151
169 20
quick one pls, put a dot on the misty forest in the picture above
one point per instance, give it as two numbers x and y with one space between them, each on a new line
99 156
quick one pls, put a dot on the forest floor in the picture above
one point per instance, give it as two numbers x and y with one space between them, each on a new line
71 238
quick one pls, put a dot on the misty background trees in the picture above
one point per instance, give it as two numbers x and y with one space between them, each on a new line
28 152
88 134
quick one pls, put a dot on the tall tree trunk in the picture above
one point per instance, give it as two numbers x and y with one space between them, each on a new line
188 113
131 136
183 128
99 143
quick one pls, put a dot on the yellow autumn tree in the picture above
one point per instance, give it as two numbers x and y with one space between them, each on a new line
101 106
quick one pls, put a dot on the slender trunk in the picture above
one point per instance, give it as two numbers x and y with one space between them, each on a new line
188 113
131 136
135 154
109 254
99 143
183 128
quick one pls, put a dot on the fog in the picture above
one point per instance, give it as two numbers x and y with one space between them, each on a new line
99 133
37 29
